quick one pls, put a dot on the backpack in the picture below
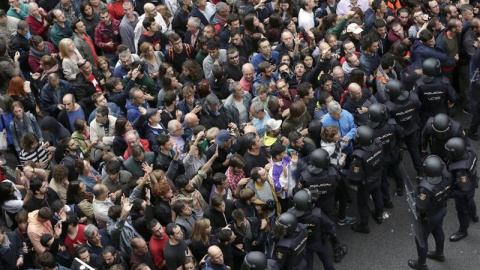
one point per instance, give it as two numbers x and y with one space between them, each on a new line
171 52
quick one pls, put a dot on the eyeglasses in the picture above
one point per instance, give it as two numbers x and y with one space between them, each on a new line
233 57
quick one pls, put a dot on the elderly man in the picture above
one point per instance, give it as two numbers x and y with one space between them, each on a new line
72 111
214 113
193 32
37 20
136 104
97 239
343 120
18 9
214 260
140 254
288 44
19 43
176 131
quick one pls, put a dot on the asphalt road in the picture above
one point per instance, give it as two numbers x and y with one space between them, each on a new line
391 244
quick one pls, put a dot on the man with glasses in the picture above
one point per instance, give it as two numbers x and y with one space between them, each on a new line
178 52
140 254
233 67
136 104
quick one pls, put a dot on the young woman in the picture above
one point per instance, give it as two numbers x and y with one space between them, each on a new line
200 238
191 72
122 126
29 172
81 137
78 196
287 10
70 57
21 124
87 174
11 201
252 25
152 58
90 15
20 91
195 159
104 71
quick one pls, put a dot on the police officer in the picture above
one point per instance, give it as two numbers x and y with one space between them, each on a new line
318 225
472 132
366 172
431 201
462 164
437 131
434 90
290 247
320 174
404 107
391 135
257 260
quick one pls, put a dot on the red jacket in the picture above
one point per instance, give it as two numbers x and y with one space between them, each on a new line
103 35
116 9
38 27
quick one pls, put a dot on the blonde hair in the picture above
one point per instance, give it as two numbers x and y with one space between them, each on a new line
212 133
199 231
63 48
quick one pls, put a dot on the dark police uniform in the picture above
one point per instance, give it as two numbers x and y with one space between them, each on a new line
326 182
290 252
390 134
436 141
431 204
434 96
475 93
366 171
465 180
406 115
317 224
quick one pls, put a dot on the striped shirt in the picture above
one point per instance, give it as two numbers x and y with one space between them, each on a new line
37 155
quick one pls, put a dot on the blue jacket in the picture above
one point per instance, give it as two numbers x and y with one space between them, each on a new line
258 58
114 111
17 132
345 124
421 52
133 112
47 99
7 118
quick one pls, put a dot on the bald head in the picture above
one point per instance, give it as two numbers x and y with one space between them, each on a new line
191 120
216 255
250 128
355 91
248 72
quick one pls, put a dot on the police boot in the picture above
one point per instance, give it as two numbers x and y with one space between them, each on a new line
458 236
415 264
435 255
361 228
475 218
472 133
340 252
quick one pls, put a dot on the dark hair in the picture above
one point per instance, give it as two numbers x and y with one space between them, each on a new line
169 229
216 200
304 89
120 125
73 193
368 40
219 178
379 23
163 139
79 166
425 35
277 149
27 141
147 22
113 167
45 213
178 206
181 181
102 110
213 44
388 60
357 76
47 259
169 98
137 151
35 185
224 235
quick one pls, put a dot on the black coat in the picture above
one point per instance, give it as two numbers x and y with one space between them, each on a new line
84 91
9 256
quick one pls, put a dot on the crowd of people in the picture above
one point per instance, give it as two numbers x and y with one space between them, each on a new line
195 134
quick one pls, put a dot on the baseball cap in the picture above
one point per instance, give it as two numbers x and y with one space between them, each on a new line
273 124
222 137
354 28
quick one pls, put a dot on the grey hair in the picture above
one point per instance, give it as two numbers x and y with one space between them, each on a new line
257 107
125 53
334 106
89 230
195 21
172 125
134 132
221 7
212 100
233 86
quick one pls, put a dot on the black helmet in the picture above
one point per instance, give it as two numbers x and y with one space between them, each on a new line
432 67
288 222
320 158
255 260
377 113
441 124
303 200
456 148
433 166
364 136
395 90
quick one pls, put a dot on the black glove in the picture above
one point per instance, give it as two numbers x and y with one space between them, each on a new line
425 220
